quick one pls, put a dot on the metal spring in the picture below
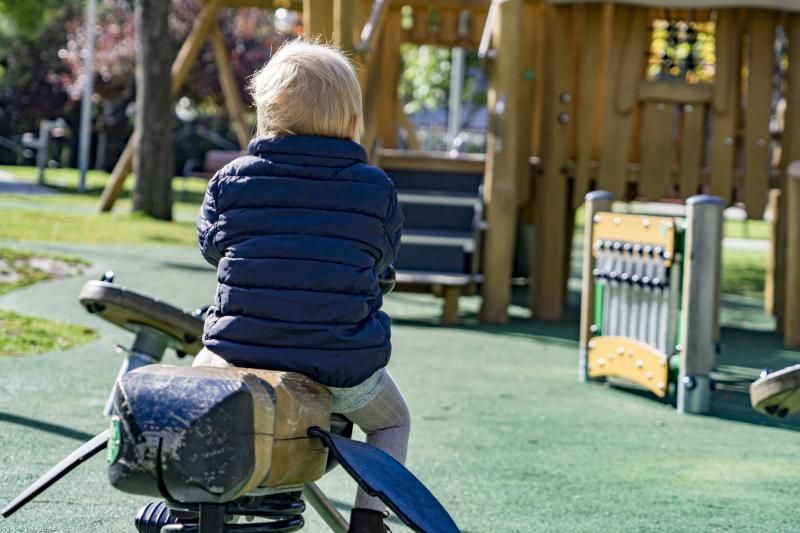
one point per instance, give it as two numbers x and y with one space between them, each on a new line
285 510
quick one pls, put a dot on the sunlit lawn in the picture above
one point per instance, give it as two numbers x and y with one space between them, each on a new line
72 217
69 216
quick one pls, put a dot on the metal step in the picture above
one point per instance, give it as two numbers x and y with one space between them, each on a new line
437 217
439 258
421 180
465 240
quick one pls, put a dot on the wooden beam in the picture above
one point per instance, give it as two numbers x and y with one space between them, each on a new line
758 110
450 307
656 150
676 93
318 19
589 97
431 161
180 68
725 108
344 24
528 68
503 150
773 297
787 279
230 88
629 27
385 108
377 19
791 327
551 201
693 140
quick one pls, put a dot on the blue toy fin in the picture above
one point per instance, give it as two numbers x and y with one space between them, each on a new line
382 476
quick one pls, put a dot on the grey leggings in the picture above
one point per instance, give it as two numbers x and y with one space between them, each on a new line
387 423
385 420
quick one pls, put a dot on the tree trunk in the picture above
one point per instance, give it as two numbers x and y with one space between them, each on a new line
153 163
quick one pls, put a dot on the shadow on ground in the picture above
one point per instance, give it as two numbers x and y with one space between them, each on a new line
47 427
749 344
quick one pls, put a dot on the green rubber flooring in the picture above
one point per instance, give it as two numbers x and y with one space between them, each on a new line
502 431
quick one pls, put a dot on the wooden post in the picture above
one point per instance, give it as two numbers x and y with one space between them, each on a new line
551 193
624 72
230 89
792 313
773 297
344 24
180 69
388 62
318 19
790 151
596 201
503 150
590 92
450 308
701 272
757 111
725 105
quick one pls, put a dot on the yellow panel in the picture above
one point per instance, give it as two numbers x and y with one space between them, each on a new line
629 359
641 229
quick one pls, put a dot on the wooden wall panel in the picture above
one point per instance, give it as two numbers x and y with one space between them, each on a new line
551 192
757 112
627 50
590 85
725 107
656 150
693 141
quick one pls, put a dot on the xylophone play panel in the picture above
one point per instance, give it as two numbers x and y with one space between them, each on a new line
657 232
621 357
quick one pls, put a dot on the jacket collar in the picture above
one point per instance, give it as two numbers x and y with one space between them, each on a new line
308 145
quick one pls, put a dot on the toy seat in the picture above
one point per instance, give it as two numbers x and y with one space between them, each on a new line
777 393
208 434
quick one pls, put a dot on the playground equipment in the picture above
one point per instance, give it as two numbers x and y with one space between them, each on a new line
444 223
221 443
651 291
156 325
606 112
777 393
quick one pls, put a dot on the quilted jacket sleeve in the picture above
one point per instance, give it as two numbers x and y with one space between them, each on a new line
207 223
393 229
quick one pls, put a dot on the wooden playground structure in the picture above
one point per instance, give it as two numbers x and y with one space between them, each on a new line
577 101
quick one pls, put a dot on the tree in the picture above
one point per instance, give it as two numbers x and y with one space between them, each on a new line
153 162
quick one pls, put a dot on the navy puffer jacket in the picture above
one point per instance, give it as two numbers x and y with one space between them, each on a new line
299 231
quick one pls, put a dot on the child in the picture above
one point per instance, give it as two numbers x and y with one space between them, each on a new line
300 230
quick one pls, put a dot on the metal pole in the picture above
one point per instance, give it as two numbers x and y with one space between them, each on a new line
595 201
88 89
701 268
324 508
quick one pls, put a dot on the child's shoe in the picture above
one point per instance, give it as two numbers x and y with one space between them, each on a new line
367 521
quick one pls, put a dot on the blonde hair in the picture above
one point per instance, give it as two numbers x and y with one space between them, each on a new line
307 88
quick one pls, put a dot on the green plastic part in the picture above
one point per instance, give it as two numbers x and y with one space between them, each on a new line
114 441
598 308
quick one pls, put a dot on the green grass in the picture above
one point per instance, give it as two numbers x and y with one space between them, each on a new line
744 272
19 261
70 216
30 224
22 334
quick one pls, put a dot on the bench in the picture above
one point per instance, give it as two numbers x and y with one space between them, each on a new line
212 162
441 198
